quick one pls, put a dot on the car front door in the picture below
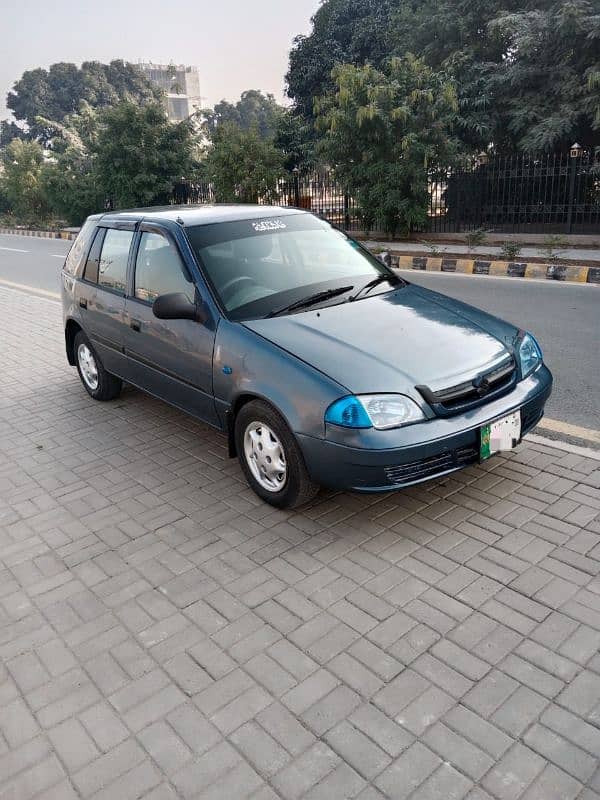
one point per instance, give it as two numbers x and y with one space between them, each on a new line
101 293
170 358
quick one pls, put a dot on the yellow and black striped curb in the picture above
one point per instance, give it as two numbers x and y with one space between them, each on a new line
41 234
513 269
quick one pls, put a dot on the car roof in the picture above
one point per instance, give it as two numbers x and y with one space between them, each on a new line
200 214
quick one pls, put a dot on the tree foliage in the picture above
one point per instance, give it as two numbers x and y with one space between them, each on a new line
344 31
21 179
382 128
138 154
527 74
71 186
242 165
56 92
290 132
254 110
548 86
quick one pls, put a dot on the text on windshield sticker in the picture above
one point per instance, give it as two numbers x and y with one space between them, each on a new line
268 225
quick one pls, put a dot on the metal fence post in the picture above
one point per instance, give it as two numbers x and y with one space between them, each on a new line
575 154
572 170
296 187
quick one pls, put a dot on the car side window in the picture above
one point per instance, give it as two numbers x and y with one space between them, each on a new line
159 270
90 272
112 267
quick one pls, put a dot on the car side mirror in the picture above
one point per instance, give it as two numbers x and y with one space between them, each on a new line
177 306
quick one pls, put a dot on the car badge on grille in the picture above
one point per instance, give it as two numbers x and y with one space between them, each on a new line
481 385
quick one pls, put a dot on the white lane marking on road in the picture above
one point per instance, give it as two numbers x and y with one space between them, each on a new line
58 255
21 287
558 426
14 249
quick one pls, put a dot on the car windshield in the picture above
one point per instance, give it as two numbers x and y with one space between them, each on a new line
259 267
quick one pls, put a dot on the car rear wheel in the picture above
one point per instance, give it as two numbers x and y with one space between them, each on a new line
270 457
98 383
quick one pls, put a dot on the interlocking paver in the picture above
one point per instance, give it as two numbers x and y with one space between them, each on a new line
513 773
408 771
164 635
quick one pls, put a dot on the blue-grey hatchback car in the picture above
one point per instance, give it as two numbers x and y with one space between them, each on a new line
323 366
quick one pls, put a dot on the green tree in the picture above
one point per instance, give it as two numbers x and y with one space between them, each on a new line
242 165
55 93
21 180
382 129
71 186
138 154
343 31
547 89
295 137
10 131
527 74
254 110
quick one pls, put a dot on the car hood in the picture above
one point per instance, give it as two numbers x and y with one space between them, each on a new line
393 341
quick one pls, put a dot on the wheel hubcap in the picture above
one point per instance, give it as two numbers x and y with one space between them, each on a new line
88 367
265 456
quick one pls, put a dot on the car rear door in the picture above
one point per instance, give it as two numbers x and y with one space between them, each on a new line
171 359
101 295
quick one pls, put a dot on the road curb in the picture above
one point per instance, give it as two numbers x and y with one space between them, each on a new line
511 269
567 447
40 234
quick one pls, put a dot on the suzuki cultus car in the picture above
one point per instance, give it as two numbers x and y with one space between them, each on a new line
323 366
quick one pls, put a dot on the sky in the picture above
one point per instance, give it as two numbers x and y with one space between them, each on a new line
236 44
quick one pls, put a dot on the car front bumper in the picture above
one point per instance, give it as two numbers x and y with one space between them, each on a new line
379 461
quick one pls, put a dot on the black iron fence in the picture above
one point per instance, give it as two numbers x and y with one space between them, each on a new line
511 194
552 193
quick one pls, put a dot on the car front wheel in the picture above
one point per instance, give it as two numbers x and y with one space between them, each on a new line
270 457
99 383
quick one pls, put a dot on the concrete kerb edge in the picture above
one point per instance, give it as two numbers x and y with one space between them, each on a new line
480 266
69 235
559 444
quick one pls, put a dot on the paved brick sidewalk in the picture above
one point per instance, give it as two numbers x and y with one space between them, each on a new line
165 635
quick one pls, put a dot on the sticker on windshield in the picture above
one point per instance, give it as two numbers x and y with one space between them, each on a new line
269 225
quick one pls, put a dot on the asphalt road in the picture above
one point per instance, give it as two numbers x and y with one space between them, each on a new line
32 262
564 317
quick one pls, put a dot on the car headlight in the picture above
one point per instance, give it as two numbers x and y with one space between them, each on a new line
530 355
381 411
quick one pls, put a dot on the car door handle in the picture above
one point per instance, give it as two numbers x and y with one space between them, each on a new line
135 324
82 302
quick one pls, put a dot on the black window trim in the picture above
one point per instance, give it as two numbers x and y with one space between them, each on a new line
99 233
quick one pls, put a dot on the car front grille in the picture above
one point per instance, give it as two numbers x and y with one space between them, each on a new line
468 453
483 387
428 467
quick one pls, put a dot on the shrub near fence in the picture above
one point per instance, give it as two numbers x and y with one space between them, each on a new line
510 194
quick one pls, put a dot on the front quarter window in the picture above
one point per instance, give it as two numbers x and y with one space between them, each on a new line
159 270
80 247
257 266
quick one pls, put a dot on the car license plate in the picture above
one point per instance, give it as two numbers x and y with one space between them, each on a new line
501 434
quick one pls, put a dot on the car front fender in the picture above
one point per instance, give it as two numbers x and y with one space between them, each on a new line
247 365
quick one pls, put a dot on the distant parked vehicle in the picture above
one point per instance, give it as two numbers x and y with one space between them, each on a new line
322 365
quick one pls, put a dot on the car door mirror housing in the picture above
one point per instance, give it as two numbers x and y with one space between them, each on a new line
177 306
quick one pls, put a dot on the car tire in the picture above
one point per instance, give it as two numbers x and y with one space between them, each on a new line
98 383
271 458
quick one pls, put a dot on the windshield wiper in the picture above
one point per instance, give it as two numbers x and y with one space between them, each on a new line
373 283
311 300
